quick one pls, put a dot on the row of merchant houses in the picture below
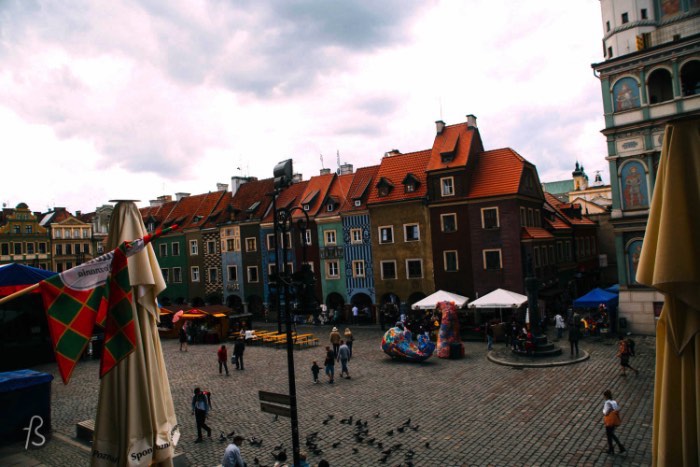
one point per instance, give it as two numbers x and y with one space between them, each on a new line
454 217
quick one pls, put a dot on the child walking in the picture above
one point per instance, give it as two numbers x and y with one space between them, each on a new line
315 370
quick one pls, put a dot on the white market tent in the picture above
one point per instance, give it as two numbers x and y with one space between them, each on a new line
499 298
431 301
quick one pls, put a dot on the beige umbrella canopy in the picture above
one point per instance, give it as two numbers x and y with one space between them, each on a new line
670 262
135 422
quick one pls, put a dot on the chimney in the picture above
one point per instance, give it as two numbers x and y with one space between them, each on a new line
221 186
393 152
179 196
325 171
439 126
77 213
346 169
297 177
236 183
471 121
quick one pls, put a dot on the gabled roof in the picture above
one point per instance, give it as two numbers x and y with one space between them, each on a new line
497 172
455 141
315 193
193 211
562 208
337 193
251 200
359 189
288 198
393 169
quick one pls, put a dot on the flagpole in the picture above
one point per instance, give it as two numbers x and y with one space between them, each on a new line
146 239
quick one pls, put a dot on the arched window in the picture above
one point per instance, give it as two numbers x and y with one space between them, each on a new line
690 78
660 87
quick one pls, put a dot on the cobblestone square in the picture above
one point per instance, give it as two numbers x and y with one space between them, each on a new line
469 411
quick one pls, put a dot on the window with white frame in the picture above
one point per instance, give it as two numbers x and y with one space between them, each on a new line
311 265
213 276
448 222
253 274
358 268
271 245
329 237
447 186
388 269
175 249
163 250
194 248
306 237
414 268
232 273
194 273
332 269
272 273
451 260
492 259
411 232
251 244
355 236
177 275
386 234
489 218
227 244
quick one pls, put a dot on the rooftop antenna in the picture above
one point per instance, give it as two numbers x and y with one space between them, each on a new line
337 151
440 104
322 166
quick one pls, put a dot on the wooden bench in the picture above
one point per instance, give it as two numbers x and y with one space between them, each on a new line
84 430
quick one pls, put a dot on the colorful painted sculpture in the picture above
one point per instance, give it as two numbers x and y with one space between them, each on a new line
449 330
398 343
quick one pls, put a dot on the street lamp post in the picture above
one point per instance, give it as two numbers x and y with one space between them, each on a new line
283 224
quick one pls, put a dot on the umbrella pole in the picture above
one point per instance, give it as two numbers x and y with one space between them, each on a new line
19 293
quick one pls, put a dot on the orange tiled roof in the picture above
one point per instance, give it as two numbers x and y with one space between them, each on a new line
193 211
360 189
560 207
320 184
534 233
394 169
288 198
454 139
243 204
339 193
557 224
497 172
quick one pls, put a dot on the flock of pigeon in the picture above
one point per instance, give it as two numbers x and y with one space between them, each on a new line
387 447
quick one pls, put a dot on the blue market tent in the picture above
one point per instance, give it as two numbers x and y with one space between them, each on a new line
595 297
14 277
614 288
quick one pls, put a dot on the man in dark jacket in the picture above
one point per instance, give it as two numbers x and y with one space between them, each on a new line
238 349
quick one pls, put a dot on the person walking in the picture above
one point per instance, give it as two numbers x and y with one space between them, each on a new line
623 353
329 364
315 370
222 354
238 349
348 339
355 315
335 341
489 336
559 325
182 334
611 419
200 409
232 454
344 358
574 334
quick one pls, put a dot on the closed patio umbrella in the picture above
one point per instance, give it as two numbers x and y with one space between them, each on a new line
670 262
135 422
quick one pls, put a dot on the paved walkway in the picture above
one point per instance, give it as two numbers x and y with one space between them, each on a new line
470 411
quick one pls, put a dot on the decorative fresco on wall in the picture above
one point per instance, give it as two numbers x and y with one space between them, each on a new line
626 94
634 250
670 7
633 182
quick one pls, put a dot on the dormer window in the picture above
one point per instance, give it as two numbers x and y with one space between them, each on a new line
358 203
410 188
384 186
410 183
383 190
306 207
330 207
447 157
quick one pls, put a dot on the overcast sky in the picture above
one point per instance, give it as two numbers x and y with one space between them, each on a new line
137 99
